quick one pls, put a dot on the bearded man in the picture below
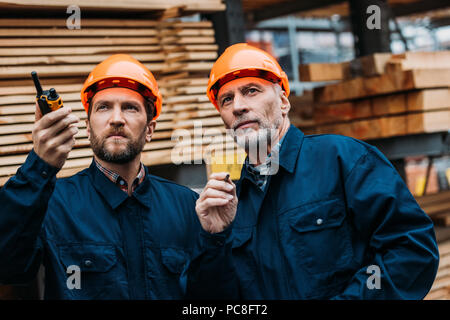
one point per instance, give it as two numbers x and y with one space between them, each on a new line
112 231
319 216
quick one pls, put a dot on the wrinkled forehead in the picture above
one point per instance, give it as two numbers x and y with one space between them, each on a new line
242 82
118 94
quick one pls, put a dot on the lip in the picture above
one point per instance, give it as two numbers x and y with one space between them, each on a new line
116 136
245 124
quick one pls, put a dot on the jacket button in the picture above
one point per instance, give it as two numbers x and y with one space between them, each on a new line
219 243
319 221
44 174
87 263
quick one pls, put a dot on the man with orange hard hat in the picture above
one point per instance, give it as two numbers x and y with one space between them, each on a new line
112 231
319 216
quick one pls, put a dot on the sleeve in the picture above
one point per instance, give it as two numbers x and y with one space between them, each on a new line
210 272
401 239
24 199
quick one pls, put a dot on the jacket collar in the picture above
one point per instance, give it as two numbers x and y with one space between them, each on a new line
113 194
291 148
289 152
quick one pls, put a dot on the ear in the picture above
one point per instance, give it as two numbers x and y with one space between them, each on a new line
88 129
285 104
150 129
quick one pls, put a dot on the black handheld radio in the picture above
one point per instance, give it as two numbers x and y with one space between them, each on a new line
48 100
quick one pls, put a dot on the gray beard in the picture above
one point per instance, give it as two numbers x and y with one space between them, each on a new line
252 139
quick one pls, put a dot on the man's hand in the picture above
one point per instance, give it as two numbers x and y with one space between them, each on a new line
216 207
54 135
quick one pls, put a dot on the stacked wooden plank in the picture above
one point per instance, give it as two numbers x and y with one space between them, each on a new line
437 206
180 54
189 6
382 95
441 286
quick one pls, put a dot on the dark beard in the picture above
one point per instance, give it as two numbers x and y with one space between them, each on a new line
133 149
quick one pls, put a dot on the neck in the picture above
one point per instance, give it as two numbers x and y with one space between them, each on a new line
280 134
128 171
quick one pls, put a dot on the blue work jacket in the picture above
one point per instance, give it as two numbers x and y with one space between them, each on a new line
124 247
335 222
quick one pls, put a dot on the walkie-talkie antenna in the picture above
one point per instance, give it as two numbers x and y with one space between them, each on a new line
37 84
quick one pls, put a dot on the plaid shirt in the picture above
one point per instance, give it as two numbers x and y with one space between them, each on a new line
119 181
260 174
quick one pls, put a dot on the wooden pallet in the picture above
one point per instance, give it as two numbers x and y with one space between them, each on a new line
179 54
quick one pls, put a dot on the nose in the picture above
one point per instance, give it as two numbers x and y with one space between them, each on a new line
240 105
117 118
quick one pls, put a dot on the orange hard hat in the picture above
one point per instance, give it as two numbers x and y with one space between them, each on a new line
122 70
243 60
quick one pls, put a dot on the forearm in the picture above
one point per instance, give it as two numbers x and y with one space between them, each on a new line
24 199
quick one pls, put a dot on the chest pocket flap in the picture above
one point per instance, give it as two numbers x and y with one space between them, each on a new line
319 216
174 259
90 257
241 236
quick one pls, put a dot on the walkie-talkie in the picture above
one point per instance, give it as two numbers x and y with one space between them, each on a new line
48 100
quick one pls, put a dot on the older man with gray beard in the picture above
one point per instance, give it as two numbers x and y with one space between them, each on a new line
319 216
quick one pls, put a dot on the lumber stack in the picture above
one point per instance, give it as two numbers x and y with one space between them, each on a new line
188 6
382 95
437 206
441 286
180 54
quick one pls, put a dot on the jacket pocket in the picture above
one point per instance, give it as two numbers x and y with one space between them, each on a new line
318 237
98 275
167 282
89 258
174 259
241 237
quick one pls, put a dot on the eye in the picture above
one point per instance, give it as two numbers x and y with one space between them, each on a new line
252 90
226 100
102 107
130 107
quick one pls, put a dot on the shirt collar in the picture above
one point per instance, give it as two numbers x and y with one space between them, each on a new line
118 180
271 162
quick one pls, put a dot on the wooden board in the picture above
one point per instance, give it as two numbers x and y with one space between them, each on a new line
372 128
441 286
134 5
321 72
418 60
389 104
384 84
371 65
101 22
334 112
432 121
428 199
432 99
